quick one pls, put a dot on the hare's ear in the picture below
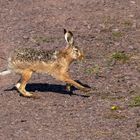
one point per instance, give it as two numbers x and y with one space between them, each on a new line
68 37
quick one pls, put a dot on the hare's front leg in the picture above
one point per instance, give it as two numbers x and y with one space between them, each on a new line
66 78
74 83
26 75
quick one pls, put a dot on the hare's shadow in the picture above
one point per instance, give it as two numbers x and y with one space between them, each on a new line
45 87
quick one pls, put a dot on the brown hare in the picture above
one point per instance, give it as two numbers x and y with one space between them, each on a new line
25 61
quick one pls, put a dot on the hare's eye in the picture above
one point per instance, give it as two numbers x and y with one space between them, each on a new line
76 50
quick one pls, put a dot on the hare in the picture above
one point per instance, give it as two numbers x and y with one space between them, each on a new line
25 61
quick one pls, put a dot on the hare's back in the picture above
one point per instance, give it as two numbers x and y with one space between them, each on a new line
32 55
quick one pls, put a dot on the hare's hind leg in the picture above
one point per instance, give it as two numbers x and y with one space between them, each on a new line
26 75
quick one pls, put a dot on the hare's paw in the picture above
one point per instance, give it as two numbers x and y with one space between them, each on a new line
86 89
29 95
68 87
25 94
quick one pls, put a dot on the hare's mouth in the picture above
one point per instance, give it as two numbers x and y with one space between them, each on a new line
81 57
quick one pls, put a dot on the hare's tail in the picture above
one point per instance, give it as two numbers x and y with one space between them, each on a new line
5 72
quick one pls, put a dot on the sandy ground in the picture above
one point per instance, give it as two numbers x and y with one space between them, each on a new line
109 33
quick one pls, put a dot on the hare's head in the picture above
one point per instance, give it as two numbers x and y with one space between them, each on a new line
73 51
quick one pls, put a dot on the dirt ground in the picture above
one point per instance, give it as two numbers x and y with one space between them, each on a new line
109 33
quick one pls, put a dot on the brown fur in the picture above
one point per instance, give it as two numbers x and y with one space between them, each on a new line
25 61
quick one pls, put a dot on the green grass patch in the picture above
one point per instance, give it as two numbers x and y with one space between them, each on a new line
135 101
117 34
120 56
127 23
93 70
117 57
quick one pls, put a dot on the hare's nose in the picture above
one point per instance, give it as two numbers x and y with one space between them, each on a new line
82 56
